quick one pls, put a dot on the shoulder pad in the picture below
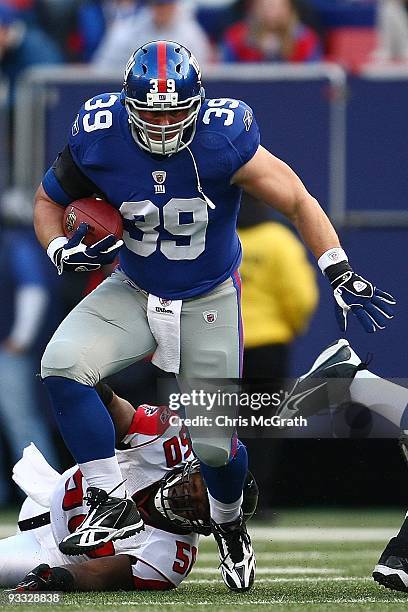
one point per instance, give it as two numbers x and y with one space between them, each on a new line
96 115
150 420
229 127
227 116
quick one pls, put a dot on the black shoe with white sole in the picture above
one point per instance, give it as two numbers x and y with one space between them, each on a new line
237 558
109 518
392 568
326 383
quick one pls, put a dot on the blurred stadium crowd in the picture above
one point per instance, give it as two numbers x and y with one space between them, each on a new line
103 33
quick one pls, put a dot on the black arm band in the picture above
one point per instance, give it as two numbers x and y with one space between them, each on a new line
105 392
72 180
333 272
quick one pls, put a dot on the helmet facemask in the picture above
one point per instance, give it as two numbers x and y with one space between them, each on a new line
163 139
182 498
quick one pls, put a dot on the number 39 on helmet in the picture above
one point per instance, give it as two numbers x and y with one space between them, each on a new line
163 76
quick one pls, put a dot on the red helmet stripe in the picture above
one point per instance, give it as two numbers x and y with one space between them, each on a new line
161 66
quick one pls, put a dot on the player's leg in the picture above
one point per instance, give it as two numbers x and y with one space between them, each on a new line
211 348
392 568
339 371
24 550
106 332
18 555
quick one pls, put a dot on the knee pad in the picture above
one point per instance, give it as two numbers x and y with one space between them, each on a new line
61 358
213 455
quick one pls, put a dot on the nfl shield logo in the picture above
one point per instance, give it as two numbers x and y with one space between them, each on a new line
159 176
210 316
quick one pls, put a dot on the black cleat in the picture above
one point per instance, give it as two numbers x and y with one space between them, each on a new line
236 554
326 383
109 518
392 568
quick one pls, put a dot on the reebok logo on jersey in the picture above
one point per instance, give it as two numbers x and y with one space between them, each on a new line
247 119
359 286
159 176
75 126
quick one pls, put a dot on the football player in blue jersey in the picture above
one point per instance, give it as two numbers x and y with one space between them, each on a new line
174 164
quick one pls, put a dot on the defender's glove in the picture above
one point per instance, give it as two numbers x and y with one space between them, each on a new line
73 255
372 307
45 578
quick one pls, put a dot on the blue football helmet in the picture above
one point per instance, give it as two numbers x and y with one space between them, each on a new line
163 76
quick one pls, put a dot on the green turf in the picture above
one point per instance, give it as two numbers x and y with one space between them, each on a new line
292 575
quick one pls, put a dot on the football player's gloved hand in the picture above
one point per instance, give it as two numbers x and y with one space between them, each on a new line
372 307
45 578
73 255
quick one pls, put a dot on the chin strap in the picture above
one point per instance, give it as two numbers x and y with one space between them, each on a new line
209 202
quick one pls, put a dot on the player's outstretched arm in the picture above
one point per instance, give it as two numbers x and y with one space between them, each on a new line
105 574
269 179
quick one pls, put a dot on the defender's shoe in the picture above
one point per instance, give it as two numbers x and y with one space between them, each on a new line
392 568
109 518
236 554
326 383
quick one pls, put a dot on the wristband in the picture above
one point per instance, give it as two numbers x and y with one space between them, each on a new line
336 272
54 245
331 257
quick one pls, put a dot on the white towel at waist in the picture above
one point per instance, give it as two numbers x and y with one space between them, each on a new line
35 476
164 322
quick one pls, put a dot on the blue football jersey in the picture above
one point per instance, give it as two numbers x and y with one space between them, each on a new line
176 245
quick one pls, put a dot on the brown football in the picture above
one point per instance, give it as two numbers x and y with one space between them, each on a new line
101 217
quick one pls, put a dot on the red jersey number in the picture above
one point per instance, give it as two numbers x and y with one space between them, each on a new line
177 448
185 558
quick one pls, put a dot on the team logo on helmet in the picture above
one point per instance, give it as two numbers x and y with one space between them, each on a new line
210 316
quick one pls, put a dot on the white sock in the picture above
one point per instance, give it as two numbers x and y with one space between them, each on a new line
224 513
379 395
104 474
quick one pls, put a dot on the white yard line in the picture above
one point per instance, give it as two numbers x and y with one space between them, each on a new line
261 571
251 602
283 580
301 555
299 534
324 534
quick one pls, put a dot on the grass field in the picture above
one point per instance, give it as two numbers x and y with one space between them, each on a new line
312 560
